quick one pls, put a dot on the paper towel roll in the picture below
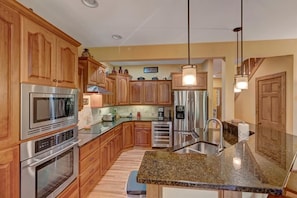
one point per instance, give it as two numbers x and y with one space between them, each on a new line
243 131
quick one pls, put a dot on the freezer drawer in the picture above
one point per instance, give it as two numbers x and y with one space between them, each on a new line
161 134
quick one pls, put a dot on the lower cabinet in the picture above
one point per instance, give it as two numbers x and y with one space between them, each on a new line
72 191
128 135
89 169
143 134
9 177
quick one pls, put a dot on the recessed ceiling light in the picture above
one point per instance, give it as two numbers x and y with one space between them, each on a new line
116 36
90 3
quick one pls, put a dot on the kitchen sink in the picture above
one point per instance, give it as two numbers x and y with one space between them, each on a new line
200 147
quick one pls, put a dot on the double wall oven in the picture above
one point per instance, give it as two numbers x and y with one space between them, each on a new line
49 161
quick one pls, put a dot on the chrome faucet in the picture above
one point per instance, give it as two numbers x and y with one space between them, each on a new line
205 130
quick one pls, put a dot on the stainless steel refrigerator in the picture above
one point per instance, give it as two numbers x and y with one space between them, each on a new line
190 112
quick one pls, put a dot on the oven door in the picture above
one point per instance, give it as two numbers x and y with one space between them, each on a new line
48 174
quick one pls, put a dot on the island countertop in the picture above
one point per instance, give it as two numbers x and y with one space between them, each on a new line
260 164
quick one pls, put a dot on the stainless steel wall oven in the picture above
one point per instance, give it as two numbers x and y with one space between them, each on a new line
44 109
49 164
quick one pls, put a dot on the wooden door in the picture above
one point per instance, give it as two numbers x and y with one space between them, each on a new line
128 135
38 54
80 87
101 77
136 92
143 134
150 90
9 173
66 67
164 92
271 101
109 99
9 77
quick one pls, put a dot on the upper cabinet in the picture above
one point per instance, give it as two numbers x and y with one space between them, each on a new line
47 58
9 77
122 88
150 92
109 99
94 72
201 82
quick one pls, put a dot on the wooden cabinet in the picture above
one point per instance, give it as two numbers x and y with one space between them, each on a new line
72 191
128 135
164 92
122 88
201 82
106 150
94 72
118 132
46 58
143 134
80 87
89 167
9 78
109 99
150 92
9 173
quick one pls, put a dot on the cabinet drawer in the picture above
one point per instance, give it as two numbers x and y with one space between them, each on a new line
88 186
90 160
72 191
142 125
107 136
91 170
85 150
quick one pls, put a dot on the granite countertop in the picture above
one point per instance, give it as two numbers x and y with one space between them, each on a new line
260 164
97 129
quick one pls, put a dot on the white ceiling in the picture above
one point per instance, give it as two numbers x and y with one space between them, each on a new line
148 22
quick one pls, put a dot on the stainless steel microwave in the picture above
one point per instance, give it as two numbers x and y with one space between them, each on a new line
45 109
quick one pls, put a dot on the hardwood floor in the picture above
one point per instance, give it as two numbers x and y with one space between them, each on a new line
113 184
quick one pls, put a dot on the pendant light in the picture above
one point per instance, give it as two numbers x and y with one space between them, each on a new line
237 90
189 71
242 80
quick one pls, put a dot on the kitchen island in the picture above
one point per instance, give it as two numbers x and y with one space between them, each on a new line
259 165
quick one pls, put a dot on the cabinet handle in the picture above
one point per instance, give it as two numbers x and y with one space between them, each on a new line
55 80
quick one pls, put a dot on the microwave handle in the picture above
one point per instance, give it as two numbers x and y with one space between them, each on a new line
53 155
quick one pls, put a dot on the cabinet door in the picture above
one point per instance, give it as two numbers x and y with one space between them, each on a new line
80 87
150 92
92 73
38 57
104 157
122 90
128 135
9 77
109 99
66 67
164 92
143 134
101 77
72 191
9 173
136 92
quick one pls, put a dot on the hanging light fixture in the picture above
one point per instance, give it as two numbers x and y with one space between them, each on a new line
242 80
237 90
189 71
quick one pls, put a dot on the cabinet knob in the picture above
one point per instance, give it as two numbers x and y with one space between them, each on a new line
55 80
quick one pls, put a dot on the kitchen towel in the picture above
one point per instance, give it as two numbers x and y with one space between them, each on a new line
243 131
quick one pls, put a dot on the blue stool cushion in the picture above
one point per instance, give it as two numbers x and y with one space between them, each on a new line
133 187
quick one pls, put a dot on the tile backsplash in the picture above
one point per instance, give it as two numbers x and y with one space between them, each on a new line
88 116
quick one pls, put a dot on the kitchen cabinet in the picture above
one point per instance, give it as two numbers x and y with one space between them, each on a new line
94 72
118 132
128 135
9 172
80 87
122 88
89 167
164 92
150 92
9 78
143 134
72 191
106 150
109 99
46 58
201 82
